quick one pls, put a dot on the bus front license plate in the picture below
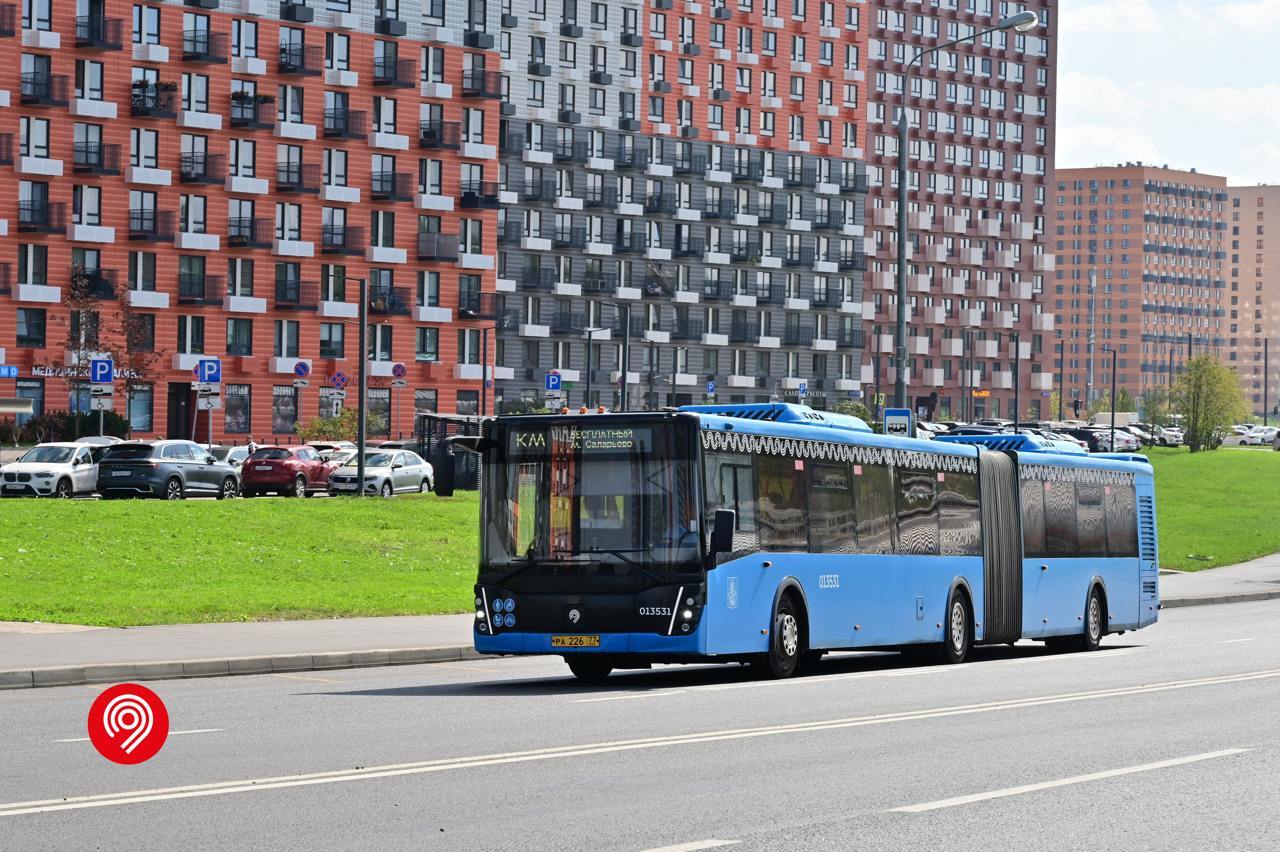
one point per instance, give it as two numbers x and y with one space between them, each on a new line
575 641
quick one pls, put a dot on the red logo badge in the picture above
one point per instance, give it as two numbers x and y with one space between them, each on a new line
128 723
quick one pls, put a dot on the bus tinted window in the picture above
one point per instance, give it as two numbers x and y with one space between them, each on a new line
833 528
1032 518
1091 528
780 509
873 499
917 512
1060 518
731 484
1122 521
959 528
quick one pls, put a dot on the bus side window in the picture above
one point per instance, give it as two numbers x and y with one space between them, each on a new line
1122 521
874 505
959 527
1090 523
731 484
781 504
1033 546
1060 518
917 512
832 525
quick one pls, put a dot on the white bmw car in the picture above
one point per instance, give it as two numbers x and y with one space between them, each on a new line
53 470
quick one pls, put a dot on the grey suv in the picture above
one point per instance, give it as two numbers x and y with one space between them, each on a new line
172 470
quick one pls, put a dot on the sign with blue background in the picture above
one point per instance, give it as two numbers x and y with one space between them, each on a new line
101 371
553 381
209 370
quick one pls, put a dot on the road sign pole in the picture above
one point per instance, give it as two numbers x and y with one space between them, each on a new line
101 430
362 380
210 430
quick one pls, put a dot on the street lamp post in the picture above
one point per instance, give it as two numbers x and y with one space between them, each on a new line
1062 363
588 331
1113 395
1021 22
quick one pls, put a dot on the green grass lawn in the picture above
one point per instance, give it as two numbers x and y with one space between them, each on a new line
134 562
1223 505
154 562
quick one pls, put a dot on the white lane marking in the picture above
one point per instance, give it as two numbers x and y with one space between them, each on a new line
1234 641
304 677
171 733
625 696
1063 782
589 749
695 845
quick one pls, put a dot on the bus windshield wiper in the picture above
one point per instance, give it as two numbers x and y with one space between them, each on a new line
622 554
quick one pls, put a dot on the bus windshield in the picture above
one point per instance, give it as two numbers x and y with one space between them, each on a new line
591 499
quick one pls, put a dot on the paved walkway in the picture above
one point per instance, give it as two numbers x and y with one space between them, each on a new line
55 654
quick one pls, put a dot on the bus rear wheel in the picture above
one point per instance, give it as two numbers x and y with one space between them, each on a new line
589 669
957 640
785 642
1091 633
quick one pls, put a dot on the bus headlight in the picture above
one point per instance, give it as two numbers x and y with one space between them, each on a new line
480 615
687 614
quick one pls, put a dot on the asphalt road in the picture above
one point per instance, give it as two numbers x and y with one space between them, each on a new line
1167 738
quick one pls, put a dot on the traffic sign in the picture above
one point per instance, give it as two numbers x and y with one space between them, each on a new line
338 380
897 421
553 381
711 388
879 399
208 403
398 370
99 390
302 369
209 370
101 403
8 371
337 393
399 383
101 371
803 390
207 389
301 383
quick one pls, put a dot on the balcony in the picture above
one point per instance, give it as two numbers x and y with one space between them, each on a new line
691 247
342 239
746 253
478 83
437 247
570 151
660 203
346 124
853 183
477 306
204 47
629 243
245 232
603 284
154 226
297 11
848 260
253 112
391 186
306 60
807 178
574 238
851 338
717 291
434 135
295 295
747 170
537 278
695 164
797 336
96 32
397 73
40 217
389 26
601 197
388 301
479 193
567 323
743 333
631 158
95 158
196 288
722 209
832 220
202 168
154 100
297 177
40 89
92 283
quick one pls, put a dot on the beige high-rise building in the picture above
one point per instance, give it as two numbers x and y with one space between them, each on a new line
1255 292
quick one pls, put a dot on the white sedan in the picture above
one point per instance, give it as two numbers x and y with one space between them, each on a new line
386 472
53 470
1259 435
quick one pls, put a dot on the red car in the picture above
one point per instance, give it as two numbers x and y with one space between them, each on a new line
288 471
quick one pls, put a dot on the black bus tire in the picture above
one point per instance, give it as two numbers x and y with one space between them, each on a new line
589 669
786 642
957 636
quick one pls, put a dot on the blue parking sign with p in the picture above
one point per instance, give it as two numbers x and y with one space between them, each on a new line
210 370
101 371
553 381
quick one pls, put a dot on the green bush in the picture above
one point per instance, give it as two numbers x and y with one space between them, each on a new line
66 426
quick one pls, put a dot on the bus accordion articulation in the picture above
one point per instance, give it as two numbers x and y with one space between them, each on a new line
773 533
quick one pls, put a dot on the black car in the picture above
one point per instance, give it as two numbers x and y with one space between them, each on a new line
172 470
1097 440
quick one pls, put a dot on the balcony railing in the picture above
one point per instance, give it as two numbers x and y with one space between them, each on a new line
509 233
440 134
717 291
297 177
307 60
797 336
196 288
388 301
570 151
569 238
246 232
657 287
41 89
202 168
605 283
478 83
204 46
42 217
691 247
437 247
722 209
248 111
399 73
631 159
537 278
540 190
293 294
849 260
831 220
340 123
851 338
92 283
97 32
601 196
630 244
800 177
802 256
153 101
745 252
660 203
479 193
563 322
151 225
476 306
741 332
747 170
342 239
688 330
391 186
853 183
690 165
96 158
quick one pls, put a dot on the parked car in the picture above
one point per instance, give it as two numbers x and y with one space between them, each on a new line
1069 439
327 449
52 470
172 470
1144 437
290 471
385 473
1259 435
233 456
100 440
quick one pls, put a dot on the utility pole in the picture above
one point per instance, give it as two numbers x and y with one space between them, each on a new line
1062 363
363 382
1017 391
1113 396
586 401
626 355
484 371
1266 371
1093 336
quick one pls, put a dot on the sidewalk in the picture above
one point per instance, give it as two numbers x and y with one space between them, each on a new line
33 655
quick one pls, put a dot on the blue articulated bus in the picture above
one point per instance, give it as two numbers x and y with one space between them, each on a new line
773 533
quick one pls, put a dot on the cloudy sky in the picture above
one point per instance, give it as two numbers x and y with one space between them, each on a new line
1190 83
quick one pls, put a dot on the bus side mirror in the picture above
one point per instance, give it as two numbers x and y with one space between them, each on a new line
722 531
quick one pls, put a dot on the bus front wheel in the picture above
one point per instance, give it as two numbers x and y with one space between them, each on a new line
589 669
958 638
786 642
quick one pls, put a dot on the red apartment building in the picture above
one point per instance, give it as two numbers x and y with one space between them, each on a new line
220 176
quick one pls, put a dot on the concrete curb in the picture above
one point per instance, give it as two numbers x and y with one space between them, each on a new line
227 667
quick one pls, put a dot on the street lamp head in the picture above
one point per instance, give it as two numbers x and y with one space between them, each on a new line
1021 22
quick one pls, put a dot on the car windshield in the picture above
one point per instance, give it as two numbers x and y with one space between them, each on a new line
572 500
133 451
221 453
277 453
48 455
373 460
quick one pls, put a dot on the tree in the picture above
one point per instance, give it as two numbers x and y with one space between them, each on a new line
853 408
341 427
1124 401
1153 405
1209 398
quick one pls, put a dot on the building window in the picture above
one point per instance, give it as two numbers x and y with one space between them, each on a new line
32 389
468 402
284 409
31 328
239 336
425 401
286 345
141 408
332 340
428 348
380 411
